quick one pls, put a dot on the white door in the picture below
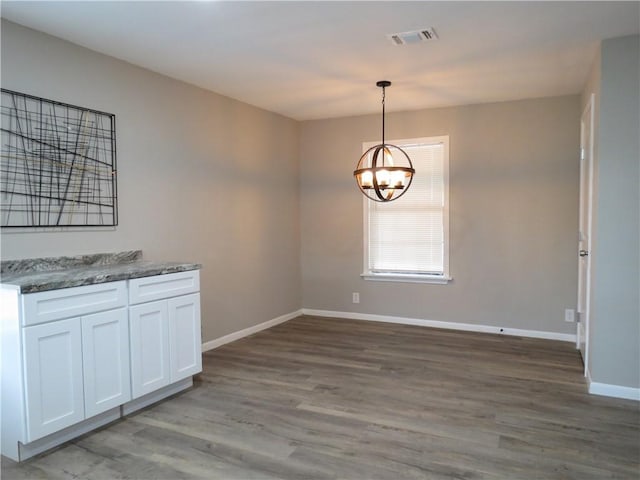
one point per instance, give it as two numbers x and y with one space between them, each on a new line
584 234
184 336
105 355
149 347
53 377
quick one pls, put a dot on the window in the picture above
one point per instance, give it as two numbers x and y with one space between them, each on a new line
407 239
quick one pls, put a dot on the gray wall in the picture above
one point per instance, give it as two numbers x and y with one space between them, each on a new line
514 176
201 177
615 304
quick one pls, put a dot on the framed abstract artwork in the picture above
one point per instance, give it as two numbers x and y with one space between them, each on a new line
58 164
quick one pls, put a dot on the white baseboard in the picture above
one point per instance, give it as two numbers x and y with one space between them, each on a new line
232 337
469 327
615 391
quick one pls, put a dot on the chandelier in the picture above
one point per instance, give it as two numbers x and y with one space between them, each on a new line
384 172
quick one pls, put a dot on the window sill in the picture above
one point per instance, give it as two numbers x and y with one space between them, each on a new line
406 278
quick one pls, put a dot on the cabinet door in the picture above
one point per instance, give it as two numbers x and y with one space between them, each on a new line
105 356
53 377
149 346
184 336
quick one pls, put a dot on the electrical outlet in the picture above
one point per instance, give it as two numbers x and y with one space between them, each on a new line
356 297
569 315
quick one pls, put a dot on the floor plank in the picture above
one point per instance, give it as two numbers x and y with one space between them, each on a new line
339 399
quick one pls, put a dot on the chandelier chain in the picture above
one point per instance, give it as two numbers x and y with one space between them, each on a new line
383 97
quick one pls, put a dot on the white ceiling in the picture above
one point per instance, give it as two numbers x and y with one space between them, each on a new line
309 60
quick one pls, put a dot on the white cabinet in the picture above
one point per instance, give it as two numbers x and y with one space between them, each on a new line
105 360
76 358
53 377
150 363
165 333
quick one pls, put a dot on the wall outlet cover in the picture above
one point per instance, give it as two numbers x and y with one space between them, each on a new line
569 315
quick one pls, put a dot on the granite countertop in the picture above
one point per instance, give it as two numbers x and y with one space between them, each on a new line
42 274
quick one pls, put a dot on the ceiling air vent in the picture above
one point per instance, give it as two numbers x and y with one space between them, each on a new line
416 36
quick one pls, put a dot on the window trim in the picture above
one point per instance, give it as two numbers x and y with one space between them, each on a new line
412 277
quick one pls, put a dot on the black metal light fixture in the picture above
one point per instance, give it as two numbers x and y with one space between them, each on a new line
384 172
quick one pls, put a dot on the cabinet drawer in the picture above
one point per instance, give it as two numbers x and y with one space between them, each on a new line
44 307
149 289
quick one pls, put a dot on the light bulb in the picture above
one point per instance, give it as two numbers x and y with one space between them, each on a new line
366 179
383 178
397 179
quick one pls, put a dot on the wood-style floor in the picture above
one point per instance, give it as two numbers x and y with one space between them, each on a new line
325 398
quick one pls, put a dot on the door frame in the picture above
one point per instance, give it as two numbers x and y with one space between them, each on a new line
586 201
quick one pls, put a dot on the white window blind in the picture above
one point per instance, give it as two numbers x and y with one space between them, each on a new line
409 235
